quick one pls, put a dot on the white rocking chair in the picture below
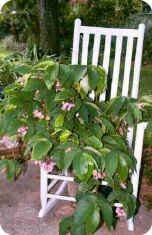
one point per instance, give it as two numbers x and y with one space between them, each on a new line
104 36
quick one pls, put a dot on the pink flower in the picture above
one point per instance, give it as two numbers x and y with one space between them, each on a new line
37 163
47 118
58 86
123 185
7 142
66 106
38 114
36 94
140 105
22 130
98 175
120 212
68 150
48 166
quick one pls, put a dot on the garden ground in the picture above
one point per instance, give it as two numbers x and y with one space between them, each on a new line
20 203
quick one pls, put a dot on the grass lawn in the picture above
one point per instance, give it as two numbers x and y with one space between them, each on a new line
4 52
146 80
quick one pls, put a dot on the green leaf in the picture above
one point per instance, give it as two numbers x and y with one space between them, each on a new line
87 213
77 72
65 135
122 168
65 225
84 114
115 105
94 142
33 84
13 168
109 128
43 65
59 121
70 74
111 162
107 213
116 142
78 229
93 221
96 78
64 95
40 149
68 158
51 75
23 69
83 165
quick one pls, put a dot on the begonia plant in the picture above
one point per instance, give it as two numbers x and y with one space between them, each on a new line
56 112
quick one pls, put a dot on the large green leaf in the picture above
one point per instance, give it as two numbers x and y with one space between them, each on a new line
93 221
97 78
64 95
64 136
87 213
51 75
23 69
78 229
77 72
116 142
13 168
65 225
111 162
33 84
107 213
59 121
122 168
83 165
70 74
43 65
40 149
68 158
115 105
94 142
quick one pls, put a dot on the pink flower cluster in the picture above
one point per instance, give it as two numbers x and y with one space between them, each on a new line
68 150
120 212
140 105
7 142
48 166
38 114
66 106
98 175
22 130
58 86
123 185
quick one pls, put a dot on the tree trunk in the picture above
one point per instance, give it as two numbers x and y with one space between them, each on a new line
49 26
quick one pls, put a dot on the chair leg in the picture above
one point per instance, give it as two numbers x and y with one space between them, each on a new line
130 223
43 190
46 203
138 155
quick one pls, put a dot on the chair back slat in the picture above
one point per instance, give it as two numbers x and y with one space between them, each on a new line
116 68
76 42
85 45
127 69
96 49
106 59
138 61
117 59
